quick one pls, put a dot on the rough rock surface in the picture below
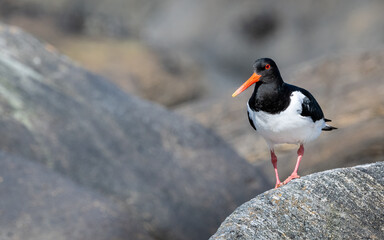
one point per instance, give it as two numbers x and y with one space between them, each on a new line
336 204
177 178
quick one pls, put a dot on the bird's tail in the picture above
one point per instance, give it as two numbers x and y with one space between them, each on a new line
328 127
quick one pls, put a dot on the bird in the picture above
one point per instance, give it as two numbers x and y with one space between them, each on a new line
282 113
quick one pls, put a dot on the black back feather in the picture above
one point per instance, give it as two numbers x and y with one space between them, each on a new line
310 107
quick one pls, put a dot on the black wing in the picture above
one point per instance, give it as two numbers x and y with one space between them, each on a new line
310 107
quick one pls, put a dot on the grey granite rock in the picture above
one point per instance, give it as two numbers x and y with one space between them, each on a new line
343 203
38 204
177 178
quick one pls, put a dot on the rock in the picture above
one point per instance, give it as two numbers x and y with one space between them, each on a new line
109 45
165 78
291 33
39 204
348 87
336 204
176 177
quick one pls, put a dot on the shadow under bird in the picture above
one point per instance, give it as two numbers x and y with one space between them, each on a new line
281 112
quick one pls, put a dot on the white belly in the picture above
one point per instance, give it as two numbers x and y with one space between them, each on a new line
287 126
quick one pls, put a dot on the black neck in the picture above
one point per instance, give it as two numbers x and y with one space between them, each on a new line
270 97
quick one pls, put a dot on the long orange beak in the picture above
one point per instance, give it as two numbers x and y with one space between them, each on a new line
253 79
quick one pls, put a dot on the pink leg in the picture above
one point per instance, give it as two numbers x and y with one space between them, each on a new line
294 174
274 163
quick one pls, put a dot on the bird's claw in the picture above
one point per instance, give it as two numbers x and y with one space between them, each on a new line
293 176
279 184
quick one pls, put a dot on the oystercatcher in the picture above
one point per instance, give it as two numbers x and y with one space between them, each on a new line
282 113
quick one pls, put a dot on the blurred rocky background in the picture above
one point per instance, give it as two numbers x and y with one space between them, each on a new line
188 56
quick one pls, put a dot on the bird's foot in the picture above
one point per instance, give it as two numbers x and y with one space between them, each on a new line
293 176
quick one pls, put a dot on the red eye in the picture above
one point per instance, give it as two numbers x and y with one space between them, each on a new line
267 66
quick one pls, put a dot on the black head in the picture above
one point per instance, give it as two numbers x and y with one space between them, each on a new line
265 72
268 70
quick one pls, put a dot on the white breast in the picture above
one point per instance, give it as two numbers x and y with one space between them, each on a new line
287 126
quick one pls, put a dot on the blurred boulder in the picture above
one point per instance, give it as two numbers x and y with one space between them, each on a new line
222 37
39 204
228 35
178 177
337 204
350 89
104 37
73 17
160 76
